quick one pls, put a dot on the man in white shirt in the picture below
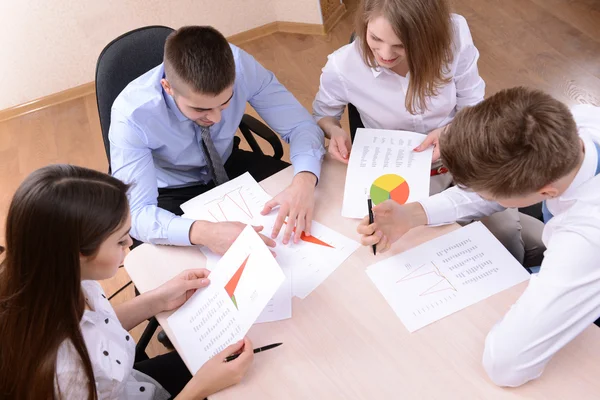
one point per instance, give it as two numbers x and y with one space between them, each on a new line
514 149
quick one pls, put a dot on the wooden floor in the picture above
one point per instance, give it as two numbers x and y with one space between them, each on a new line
553 45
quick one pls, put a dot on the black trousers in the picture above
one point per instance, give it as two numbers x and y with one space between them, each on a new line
240 161
168 369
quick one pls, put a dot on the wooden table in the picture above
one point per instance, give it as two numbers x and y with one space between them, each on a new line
345 342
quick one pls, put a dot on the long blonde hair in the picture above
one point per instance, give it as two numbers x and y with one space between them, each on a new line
425 29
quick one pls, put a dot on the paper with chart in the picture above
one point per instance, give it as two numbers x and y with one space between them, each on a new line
315 257
384 166
445 275
242 284
242 199
279 307
311 260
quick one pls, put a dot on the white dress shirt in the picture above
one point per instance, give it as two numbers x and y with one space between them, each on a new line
112 353
379 94
561 300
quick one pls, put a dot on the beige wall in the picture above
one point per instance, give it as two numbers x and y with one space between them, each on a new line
47 46
298 11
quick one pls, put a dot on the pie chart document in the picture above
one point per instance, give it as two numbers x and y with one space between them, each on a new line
384 166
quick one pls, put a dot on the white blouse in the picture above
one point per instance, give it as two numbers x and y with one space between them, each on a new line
112 354
379 94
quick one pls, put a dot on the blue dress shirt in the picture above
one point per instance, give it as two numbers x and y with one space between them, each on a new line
153 145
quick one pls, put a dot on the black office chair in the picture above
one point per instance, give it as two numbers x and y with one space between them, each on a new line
353 114
135 53
123 60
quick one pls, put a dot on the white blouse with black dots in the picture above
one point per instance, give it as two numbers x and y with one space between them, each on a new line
112 353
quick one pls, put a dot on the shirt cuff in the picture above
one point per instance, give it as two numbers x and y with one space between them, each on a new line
179 231
304 163
439 209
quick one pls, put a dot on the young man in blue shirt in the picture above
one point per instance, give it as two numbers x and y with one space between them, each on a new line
172 136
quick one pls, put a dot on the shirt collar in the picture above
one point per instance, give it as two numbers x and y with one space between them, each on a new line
173 107
377 71
587 170
171 102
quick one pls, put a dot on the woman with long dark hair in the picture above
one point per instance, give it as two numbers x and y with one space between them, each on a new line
60 338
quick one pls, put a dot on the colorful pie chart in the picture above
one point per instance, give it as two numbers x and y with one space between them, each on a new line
390 186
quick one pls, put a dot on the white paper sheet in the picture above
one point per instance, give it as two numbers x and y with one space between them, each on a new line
242 284
315 257
445 275
242 199
280 306
383 165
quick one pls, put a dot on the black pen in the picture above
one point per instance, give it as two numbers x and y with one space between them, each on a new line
370 205
257 350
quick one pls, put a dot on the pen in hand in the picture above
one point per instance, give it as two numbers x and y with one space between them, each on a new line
257 350
371 219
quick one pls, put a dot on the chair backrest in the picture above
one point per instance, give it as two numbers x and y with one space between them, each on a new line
123 60
353 115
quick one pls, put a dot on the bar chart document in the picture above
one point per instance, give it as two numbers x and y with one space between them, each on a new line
384 166
445 275
241 285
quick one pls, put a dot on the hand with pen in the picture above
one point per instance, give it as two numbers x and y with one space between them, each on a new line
390 222
217 374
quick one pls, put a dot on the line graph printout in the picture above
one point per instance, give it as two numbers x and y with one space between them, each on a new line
242 284
241 199
384 166
445 275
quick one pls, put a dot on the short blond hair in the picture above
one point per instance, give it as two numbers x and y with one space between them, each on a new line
425 29
512 144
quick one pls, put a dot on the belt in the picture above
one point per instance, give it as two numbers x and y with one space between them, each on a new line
438 171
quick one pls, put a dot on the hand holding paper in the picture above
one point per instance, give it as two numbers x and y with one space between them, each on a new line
242 283
384 166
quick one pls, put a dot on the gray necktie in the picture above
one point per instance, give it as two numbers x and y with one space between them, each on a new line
214 162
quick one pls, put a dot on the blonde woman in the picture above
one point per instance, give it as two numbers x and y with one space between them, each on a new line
412 66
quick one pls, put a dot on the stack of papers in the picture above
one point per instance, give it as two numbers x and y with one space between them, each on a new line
306 264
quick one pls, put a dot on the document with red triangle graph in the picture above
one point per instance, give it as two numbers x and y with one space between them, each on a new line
241 285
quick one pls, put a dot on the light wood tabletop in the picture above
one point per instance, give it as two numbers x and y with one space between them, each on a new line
345 342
